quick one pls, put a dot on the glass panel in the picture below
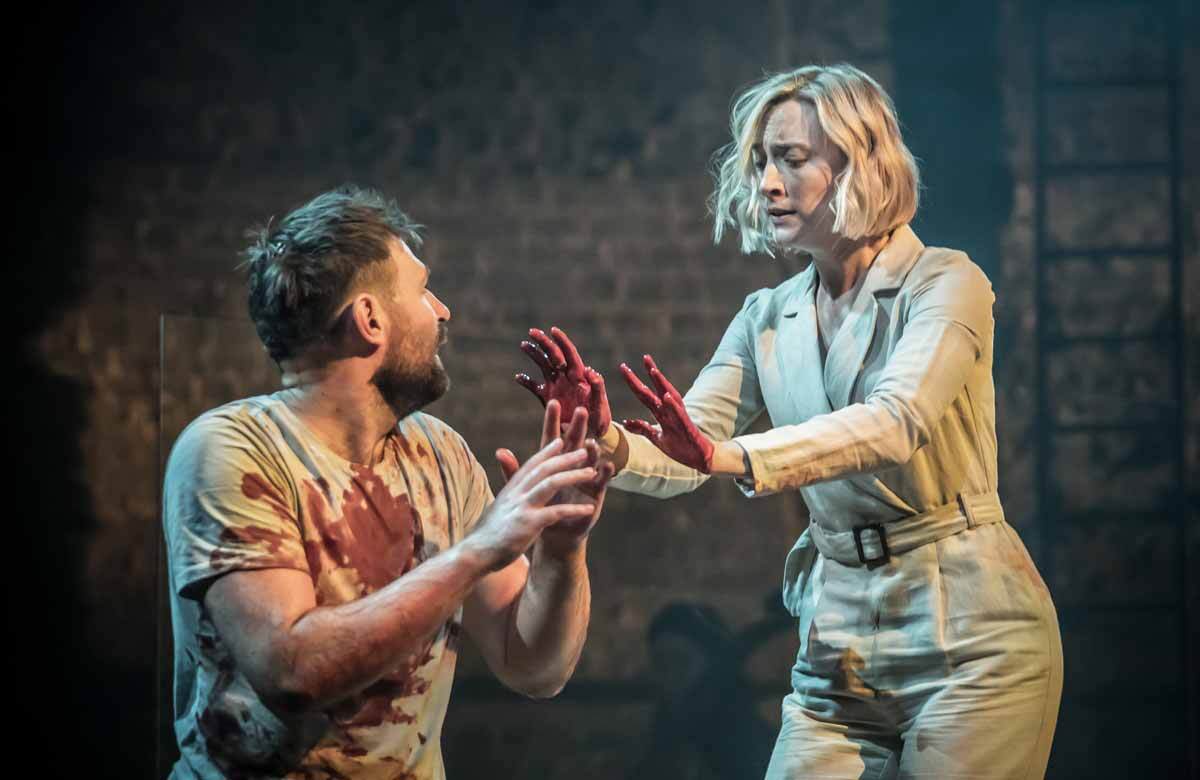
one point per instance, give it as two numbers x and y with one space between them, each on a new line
203 362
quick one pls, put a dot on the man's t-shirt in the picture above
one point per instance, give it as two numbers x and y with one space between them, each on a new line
249 486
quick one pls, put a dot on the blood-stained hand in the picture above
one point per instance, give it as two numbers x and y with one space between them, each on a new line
567 380
568 534
676 434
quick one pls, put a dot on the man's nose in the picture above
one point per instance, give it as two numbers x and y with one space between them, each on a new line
440 309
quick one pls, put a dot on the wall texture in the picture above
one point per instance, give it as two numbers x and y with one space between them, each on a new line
556 153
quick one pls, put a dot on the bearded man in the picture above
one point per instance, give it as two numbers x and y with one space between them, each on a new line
329 542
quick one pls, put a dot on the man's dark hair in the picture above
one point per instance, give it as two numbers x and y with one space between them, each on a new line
301 269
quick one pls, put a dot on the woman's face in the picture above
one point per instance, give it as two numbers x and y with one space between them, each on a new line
797 167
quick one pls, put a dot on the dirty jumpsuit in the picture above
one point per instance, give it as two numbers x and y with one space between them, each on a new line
929 645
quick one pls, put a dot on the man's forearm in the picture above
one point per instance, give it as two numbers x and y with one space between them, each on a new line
334 652
549 625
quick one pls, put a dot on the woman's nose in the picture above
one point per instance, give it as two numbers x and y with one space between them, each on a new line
772 183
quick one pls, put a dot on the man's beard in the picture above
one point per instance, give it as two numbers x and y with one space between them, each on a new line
406 388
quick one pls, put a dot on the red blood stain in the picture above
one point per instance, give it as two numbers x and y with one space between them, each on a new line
404 775
1020 561
376 705
404 681
413 450
218 558
379 535
404 451
271 543
427 483
255 487
271 540
377 708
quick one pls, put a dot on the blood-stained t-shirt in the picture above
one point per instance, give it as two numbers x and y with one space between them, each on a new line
249 486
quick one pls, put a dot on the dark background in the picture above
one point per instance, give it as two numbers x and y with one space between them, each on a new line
557 153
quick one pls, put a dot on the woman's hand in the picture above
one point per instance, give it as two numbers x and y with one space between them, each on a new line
567 380
676 434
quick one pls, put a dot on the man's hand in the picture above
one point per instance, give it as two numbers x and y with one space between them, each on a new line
525 508
677 435
568 535
567 380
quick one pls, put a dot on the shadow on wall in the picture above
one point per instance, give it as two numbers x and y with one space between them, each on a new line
84 712
693 712
54 507
706 723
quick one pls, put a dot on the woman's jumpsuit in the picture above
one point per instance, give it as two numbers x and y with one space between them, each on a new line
938 656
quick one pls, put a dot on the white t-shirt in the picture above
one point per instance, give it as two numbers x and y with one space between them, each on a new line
248 486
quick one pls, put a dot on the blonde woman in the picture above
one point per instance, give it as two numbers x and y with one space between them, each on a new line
929 646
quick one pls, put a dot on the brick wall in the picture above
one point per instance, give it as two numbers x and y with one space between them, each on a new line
556 153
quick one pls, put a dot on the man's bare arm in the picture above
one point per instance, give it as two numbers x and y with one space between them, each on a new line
530 620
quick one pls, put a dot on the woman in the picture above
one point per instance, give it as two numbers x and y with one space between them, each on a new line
928 642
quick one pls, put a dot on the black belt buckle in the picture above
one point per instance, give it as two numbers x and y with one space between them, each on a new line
878 529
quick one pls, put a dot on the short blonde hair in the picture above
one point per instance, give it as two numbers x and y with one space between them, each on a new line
876 191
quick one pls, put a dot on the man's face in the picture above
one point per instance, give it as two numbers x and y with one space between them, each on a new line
411 375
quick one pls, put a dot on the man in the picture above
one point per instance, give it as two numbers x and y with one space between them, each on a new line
328 542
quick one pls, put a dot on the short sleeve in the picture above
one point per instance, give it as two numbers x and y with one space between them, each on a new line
468 481
227 505
477 496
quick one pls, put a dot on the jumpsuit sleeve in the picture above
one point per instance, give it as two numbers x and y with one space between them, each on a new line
948 324
723 401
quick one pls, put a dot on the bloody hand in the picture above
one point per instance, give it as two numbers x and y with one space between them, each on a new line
676 435
567 380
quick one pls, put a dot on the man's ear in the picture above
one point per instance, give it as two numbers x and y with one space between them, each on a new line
367 318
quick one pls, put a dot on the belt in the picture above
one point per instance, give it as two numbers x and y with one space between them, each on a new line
874 544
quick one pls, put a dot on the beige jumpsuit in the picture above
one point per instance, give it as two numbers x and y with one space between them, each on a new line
941 659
